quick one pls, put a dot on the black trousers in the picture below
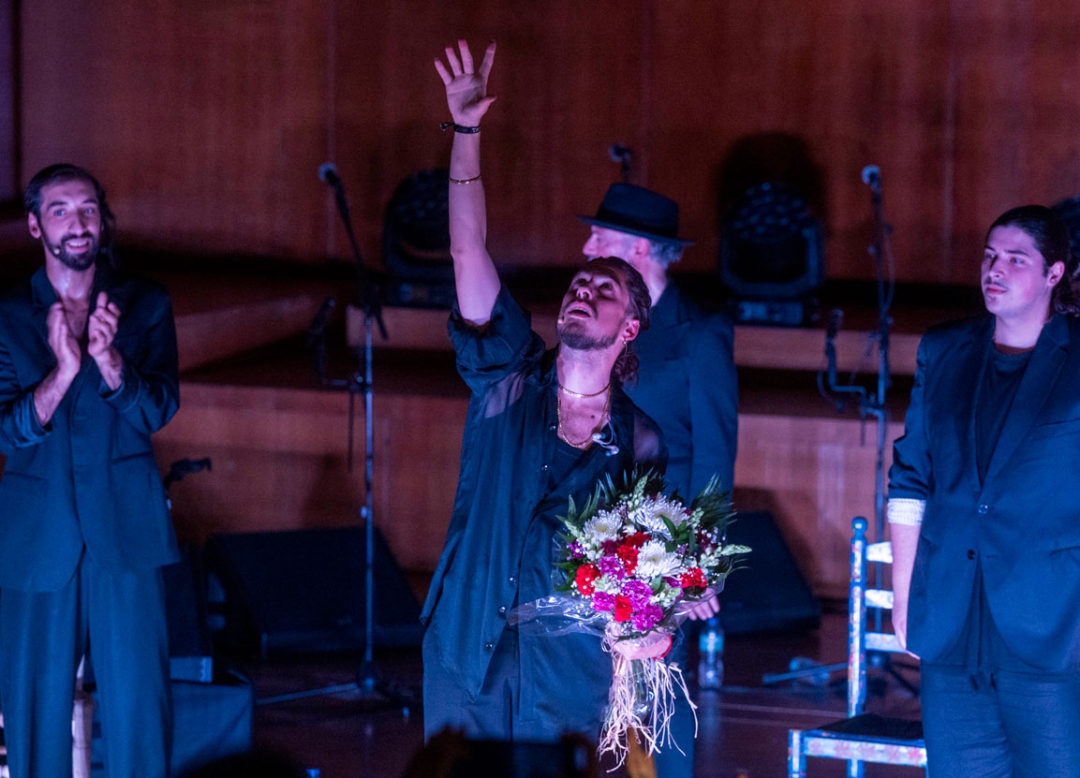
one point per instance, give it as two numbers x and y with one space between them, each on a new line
43 635
1000 723
496 713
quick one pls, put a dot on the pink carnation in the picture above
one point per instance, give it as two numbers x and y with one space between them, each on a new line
611 566
638 592
602 601
647 617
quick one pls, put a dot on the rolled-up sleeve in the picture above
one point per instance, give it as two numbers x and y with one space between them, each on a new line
489 353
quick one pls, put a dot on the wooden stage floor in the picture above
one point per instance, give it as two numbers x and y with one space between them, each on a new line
743 727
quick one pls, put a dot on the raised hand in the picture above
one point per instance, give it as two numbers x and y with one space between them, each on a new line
101 328
62 341
466 90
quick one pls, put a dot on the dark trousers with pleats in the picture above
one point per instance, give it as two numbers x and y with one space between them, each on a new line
43 635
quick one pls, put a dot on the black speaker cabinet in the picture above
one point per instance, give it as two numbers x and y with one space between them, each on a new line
769 593
303 591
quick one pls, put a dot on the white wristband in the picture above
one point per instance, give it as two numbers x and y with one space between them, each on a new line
906 510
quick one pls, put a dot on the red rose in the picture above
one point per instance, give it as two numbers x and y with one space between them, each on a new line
586 575
628 554
623 608
694 578
637 540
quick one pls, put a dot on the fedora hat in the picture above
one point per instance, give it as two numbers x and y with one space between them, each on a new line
638 211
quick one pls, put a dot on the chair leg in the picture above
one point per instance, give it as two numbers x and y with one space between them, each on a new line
796 757
81 726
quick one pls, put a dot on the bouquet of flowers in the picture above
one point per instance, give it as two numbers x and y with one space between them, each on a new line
635 562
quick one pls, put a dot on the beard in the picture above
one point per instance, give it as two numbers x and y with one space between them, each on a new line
573 337
76 262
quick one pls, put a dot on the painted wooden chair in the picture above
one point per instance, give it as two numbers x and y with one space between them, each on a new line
861 737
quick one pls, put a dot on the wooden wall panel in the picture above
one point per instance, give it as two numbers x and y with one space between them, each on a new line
567 80
1017 72
848 83
208 119
814 475
279 463
9 109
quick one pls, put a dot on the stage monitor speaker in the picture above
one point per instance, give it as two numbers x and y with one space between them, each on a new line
769 593
190 645
303 591
210 721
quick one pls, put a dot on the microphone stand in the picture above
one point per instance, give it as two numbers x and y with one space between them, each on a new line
368 680
873 403
869 404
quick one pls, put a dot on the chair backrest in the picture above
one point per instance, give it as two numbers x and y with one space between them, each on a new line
860 598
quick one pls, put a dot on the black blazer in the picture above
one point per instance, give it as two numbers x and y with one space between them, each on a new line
688 386
89 476
1022 523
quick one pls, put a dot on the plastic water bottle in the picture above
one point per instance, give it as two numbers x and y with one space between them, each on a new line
711 649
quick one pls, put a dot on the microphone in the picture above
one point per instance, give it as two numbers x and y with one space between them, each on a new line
322 318
619 153
836 317
329 174
871 176
606 440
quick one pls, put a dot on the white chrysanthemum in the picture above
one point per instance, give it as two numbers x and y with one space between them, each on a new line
654 560
651 514
603 526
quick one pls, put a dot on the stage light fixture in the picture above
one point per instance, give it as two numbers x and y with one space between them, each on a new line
772 255
416 242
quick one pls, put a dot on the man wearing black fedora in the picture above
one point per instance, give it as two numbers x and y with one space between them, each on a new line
686 383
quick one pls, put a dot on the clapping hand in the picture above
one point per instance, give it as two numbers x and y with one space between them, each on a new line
62 341
101 329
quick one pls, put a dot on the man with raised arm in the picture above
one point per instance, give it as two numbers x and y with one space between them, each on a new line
542 427
88 370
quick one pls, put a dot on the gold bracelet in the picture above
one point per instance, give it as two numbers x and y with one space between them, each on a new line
465 180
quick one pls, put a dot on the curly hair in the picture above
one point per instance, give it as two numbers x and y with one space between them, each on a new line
626 366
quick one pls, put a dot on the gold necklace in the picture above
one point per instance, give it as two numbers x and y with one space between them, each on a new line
603 417
581 396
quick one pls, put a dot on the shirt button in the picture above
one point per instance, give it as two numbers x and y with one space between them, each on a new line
543 468
553 427
984 509
489 646
502 610
513 580
971 553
